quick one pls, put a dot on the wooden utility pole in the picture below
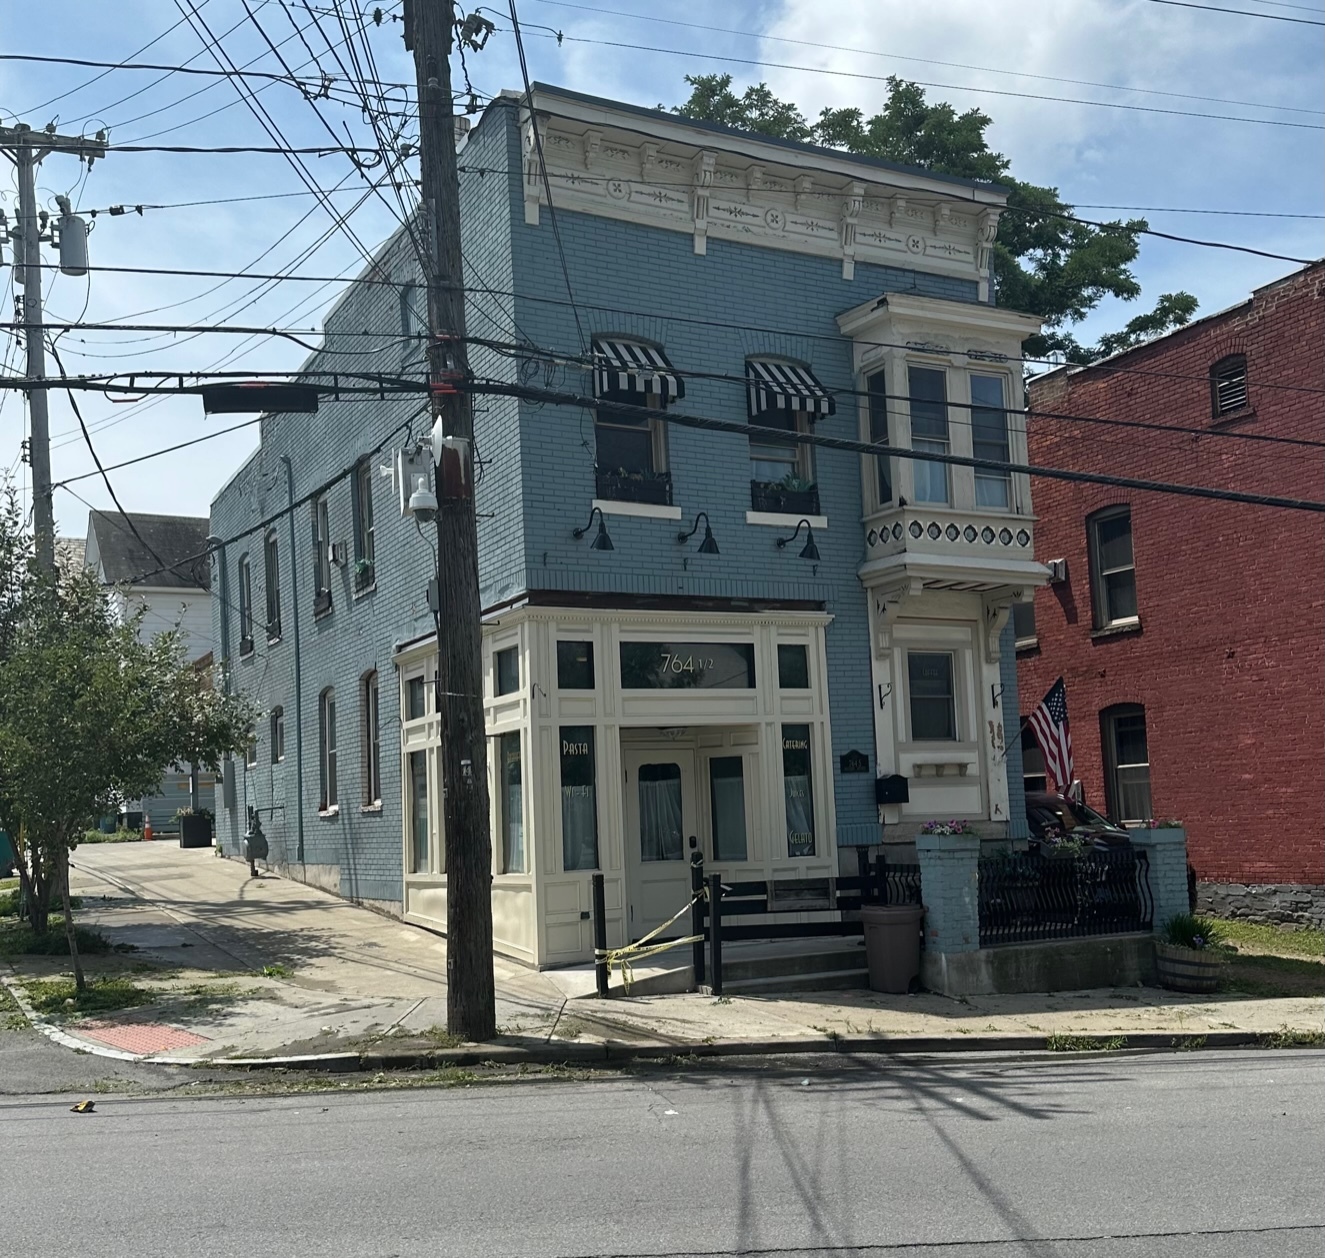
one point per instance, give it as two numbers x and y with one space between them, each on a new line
470 998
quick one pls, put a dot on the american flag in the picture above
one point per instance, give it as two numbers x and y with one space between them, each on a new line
1049 724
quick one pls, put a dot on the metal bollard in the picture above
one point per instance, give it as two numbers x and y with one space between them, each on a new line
697 909
601 973
715 931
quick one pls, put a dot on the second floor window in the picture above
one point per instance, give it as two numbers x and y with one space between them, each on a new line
989 440
928 389
877 387
372 742
277 735
272 580
365 542
245 606
321 556
1112 571
631 449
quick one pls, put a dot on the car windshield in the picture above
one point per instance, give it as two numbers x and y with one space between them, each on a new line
1084 816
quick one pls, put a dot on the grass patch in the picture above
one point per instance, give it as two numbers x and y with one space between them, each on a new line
9 903
116 836
1060 1042
11 1016
1190 1044
19 939
1286 1037
1276 941
103 995
1264 976
276 971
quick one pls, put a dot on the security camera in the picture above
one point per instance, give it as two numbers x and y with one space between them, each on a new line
423 505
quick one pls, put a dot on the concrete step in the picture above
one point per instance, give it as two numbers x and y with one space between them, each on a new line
776 984
738 966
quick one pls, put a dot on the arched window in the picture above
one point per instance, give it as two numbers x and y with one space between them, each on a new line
1126 762
1228 385
326 746
272 574
245 606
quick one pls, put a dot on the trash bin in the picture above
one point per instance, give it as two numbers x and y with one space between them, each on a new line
892 945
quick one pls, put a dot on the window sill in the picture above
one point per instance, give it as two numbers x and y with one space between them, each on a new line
365 591
1026 644
375 806
642 510
785 520
273 639
333 811
1233 417
1117 629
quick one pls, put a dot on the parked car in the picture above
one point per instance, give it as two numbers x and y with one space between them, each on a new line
1053 817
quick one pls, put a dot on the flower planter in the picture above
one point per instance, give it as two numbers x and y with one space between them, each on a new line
652 488
1187 969
195 830
765 496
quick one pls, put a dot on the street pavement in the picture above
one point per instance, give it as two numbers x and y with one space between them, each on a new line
269 967
1204 1155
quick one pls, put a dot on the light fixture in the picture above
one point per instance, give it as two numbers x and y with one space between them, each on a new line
709 546
810 550
601 540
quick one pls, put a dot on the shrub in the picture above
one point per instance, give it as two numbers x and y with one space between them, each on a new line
1186 930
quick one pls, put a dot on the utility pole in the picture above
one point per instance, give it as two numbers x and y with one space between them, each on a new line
26 148
470 998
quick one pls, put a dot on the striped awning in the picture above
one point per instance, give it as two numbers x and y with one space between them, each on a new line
784 387
634 369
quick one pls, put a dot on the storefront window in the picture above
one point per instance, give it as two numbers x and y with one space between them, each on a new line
507 669
727 799
793 667
416 698
575 666
579 802
510 803
687 666
798 789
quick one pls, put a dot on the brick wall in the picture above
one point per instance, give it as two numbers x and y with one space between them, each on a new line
1228 657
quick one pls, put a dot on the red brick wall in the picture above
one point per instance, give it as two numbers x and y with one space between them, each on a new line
1230 657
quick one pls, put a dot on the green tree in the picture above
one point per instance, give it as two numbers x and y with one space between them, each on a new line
89 714
1044 262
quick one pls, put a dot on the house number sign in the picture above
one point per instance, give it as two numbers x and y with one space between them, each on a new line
687 666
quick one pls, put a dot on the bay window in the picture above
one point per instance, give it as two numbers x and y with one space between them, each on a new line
989 440
929 431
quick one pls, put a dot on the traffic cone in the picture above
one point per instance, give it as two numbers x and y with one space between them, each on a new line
147 828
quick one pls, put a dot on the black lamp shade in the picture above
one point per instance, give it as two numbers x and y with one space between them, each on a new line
601 540
709 546
810 551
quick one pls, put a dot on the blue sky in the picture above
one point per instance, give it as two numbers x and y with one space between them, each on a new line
1003 56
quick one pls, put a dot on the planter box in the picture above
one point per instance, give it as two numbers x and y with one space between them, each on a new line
1187 969
195 831
654 489
774 498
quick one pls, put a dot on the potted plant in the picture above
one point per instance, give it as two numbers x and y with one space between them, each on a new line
620 485
195 828
1189 954
955 826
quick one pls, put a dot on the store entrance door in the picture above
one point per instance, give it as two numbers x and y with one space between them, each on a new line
660 815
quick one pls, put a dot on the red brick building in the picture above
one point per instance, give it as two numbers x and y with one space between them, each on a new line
1190 632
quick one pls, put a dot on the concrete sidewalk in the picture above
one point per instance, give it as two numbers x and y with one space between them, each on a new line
269 968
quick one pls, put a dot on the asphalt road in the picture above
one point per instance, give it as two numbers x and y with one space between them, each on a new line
1219 1154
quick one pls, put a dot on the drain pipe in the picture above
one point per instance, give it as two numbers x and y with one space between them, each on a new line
298 670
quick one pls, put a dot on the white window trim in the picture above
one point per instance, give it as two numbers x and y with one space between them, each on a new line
787 520
644 510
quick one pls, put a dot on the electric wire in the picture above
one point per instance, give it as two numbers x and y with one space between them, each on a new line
1210 8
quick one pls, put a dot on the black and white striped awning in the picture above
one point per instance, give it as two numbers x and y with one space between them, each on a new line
783 387
634 369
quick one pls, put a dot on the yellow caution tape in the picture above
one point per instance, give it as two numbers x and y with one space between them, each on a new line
622 958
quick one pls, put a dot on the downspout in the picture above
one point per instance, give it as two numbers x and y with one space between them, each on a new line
298 668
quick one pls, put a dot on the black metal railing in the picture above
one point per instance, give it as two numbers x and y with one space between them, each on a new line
1029 897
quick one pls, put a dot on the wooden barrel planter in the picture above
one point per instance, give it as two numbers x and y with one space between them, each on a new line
1187 969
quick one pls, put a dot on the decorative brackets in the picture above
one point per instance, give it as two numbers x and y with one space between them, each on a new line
851 204
703 173
997 606
887 601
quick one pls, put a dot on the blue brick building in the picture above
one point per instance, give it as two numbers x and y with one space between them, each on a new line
769 649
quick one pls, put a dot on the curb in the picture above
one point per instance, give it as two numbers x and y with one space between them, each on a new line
613 1052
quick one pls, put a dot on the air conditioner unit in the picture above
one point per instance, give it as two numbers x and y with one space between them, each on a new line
1057 570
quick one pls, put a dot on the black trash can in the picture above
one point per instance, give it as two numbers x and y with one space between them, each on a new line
892 945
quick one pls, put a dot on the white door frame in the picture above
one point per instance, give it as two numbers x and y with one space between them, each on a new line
656 889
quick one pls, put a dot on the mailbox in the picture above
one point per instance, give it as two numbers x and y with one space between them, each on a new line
253 846
892 788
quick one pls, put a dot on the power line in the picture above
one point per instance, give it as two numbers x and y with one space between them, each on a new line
156 454
691 53
893 56
1269 17
1170 209
850 445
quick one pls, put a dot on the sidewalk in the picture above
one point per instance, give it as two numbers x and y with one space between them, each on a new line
269 968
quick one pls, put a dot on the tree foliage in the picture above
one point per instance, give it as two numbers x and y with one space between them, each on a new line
90 713
1045 262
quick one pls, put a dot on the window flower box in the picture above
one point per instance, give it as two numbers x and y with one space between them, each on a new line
784 497
620 485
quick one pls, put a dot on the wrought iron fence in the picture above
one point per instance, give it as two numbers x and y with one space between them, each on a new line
898 884
1029 897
